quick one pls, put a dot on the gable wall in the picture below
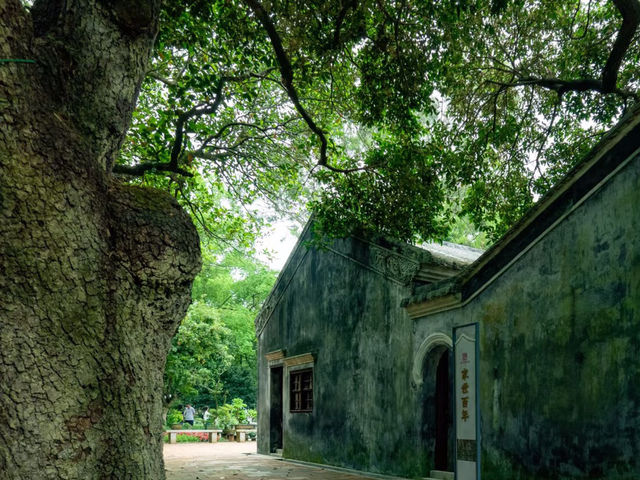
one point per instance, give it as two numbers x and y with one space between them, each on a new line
560 346
349 318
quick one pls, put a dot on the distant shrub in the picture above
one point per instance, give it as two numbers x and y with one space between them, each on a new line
182 438
173 416
230 414
192 437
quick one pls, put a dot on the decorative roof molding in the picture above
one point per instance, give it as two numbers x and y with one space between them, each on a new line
393 265
389 264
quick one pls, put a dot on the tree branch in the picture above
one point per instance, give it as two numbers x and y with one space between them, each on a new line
227 126
607 83
196 212
573 20
340 20
176 150
195 111
630 10
156 76
563 86
286 71
543 142
141 168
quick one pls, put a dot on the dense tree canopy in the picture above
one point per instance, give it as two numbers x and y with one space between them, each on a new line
380 112
213 355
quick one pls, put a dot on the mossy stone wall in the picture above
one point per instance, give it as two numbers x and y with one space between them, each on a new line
560 336
350 319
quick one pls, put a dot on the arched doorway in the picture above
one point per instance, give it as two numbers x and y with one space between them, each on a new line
433 375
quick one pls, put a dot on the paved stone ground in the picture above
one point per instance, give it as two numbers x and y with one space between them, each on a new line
238 461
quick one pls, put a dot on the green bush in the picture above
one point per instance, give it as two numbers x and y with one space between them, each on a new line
184 438
230 414
173 416
180 438
252 415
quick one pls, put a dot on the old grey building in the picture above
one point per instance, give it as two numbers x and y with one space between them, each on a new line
520 364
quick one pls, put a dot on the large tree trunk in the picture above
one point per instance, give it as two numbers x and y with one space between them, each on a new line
94 275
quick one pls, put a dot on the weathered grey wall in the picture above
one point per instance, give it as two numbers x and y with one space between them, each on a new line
365 408
560 343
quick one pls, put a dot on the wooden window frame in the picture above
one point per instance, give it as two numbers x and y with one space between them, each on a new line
301 395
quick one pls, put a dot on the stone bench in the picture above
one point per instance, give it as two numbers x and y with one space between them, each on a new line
212 435
240 433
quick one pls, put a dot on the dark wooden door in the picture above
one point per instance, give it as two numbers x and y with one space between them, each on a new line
443 413
276 414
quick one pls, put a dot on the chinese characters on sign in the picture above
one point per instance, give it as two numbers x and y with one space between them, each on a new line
466 403
464 376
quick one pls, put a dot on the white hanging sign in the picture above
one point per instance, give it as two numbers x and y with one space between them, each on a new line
466 395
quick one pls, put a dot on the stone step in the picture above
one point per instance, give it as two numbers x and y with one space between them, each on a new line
441 475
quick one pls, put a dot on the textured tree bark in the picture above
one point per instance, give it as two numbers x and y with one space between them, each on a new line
94 275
